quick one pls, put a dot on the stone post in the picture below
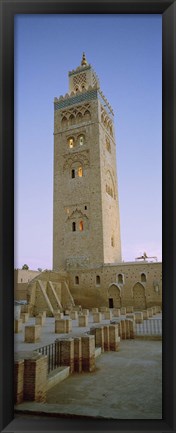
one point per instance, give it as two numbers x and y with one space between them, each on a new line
127 329
108 315
123 326
77 355
123 311
60 326
58 316
139 317
74 315
103 309
116 312
40 320
85 311
94 310
25 317
99 336
150 312
106 338
97 317
132 328
67 353
114 338
119 329
68 325
18 325
32 333
145 314
88 352
35 378
18 381
83 320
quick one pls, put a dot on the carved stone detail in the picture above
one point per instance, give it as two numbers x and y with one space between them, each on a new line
81 157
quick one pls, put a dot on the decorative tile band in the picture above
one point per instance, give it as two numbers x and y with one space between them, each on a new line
92 94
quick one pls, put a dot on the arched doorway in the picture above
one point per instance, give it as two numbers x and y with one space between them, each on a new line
114 296
139 298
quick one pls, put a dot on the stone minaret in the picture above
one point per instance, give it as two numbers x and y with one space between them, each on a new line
86 231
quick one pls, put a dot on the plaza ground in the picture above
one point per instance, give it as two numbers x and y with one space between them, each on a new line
125 385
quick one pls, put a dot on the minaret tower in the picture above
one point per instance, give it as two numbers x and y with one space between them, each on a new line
86 226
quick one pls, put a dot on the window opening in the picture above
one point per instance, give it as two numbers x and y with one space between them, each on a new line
81 226
143 278
73 226
120 279
71 143
81 140
80 171
73 173
98 280
76 279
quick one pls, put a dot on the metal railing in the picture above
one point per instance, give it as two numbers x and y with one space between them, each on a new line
151 327
52 352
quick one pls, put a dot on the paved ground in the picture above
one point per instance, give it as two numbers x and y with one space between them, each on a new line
126 385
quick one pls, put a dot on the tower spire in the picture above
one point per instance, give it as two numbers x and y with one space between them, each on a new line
84 61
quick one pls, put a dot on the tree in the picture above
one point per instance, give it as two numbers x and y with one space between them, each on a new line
26 267
39 269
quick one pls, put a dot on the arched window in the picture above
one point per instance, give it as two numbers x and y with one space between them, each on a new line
72 119
73 226
81 140
80 171
120 279
71 142
76 279
81 227
97 280
143 278
73 173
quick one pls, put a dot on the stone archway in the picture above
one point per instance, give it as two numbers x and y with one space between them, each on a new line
114 294
139 298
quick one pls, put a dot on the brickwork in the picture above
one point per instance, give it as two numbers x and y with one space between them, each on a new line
67 353
35 378
77 355
106 338
114 339
88 352
18 381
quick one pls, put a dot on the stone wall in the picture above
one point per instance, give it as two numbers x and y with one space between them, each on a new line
133 283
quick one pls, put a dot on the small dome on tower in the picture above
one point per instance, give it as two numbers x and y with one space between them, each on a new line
84 61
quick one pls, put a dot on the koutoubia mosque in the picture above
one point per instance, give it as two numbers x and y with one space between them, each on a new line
87 261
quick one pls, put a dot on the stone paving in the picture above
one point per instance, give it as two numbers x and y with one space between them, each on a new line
125 385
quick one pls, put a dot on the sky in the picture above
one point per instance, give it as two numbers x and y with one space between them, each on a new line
126 53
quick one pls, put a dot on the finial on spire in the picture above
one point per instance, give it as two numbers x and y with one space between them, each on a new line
84 61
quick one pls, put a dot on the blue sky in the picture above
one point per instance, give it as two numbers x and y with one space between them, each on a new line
126 53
